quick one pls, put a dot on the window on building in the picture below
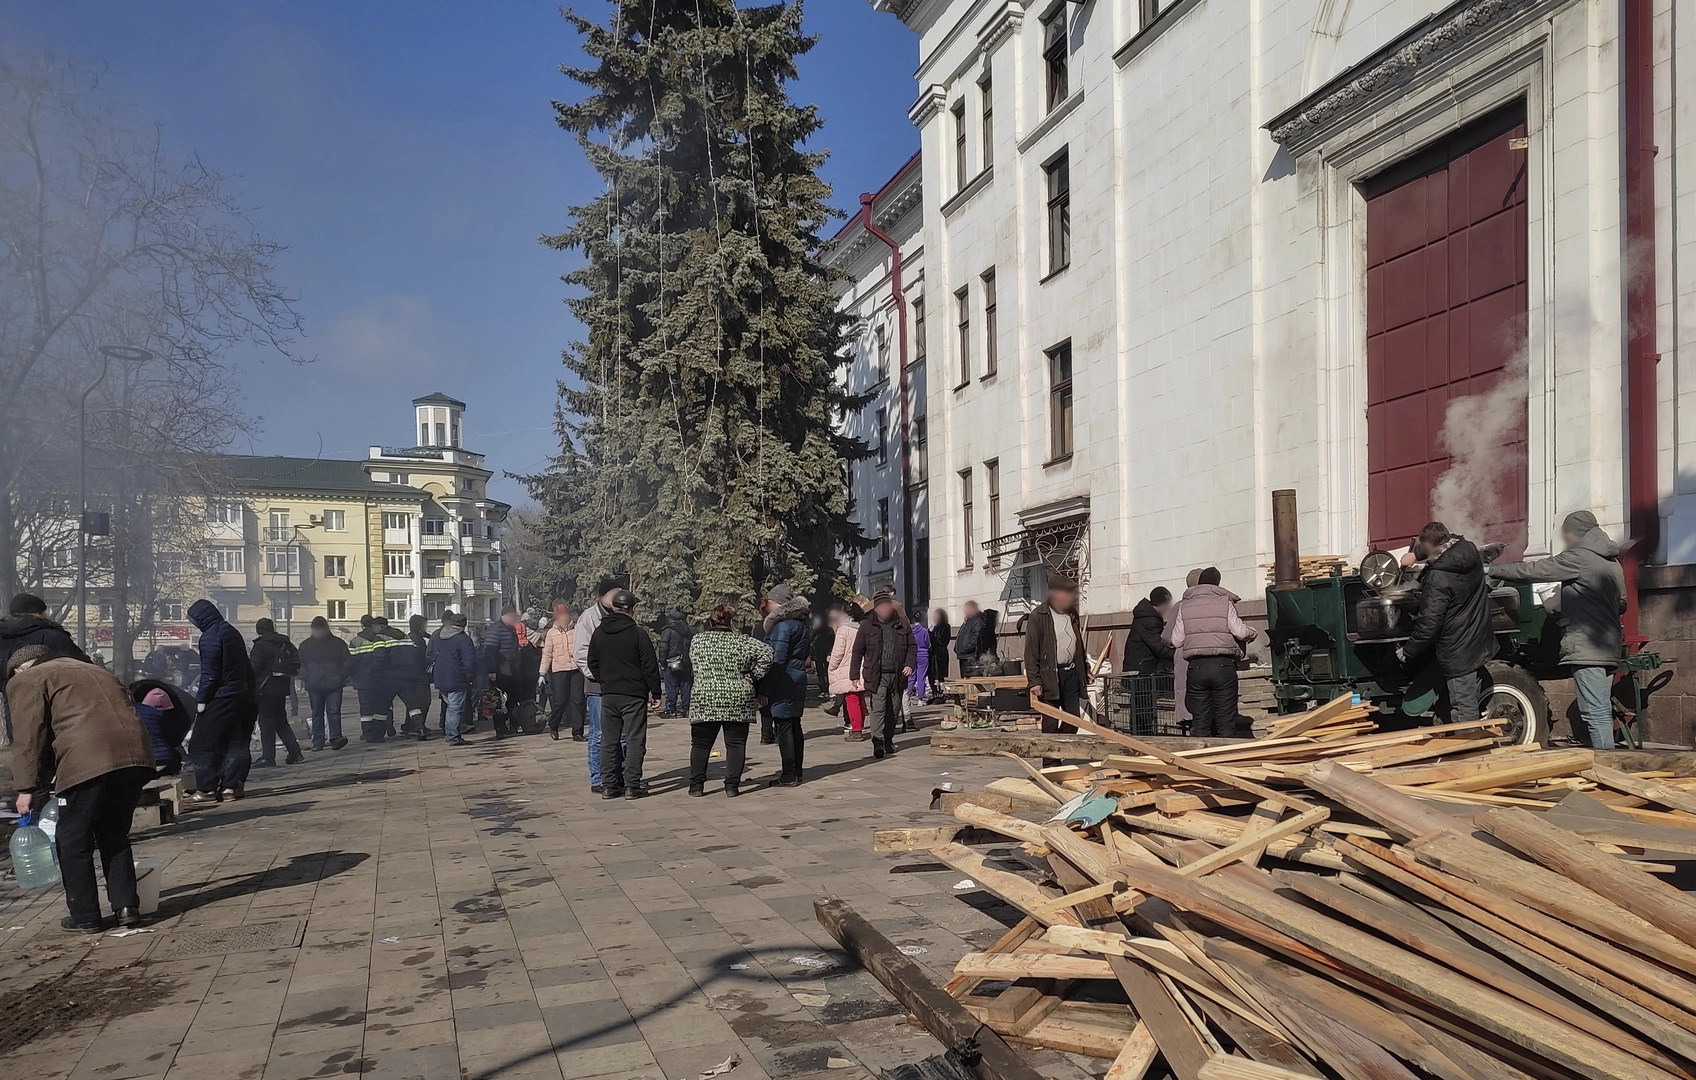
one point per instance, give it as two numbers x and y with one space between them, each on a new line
334 521
883 530
963 301
1060 401
226 560
966 517
456 433
961 173
397 608
435 569
494 568
335 610
435 610
225 513
441 434
397 563
1059 212
433 526
468 528
282 607
921 454
282 560
393 522
169 610
919 330
168 566
1150 9
469 568
400 478
277 526
992 488
494 609
883 436
1054 56
986 121
880 356
335 567
105 611
989 360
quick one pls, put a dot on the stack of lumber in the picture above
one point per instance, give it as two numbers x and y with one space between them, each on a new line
1337 719
1420 904
1315 566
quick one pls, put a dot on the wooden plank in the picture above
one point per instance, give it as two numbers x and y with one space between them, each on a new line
1180 801
916 838
1074 1036
1135 1057
1217 829
1665 794
1225 1067
983 817
1258 1044
1021 789
1024 966
1319 717
1021 893
1492 770
1012 939
1409 972
1005 1009
1182 1046
1403 815
1094 892
940 1014
1254 841
1633 890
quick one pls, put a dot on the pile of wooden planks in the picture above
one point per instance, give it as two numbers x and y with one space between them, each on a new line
1397 905
1315 566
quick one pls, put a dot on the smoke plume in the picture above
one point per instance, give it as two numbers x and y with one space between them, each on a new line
1477 431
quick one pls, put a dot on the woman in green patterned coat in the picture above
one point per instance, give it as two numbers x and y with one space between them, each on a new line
726 665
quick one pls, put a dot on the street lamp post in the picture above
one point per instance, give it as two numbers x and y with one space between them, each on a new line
108 353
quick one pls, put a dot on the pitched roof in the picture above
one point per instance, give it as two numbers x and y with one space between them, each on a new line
438 398
298 475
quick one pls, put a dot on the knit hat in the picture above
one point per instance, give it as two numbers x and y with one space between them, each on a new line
883 596
264 626
158 699
320 623
1194 578
608 584
780 594
456 618
27 604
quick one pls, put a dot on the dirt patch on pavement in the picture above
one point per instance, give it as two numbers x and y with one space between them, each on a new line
76 997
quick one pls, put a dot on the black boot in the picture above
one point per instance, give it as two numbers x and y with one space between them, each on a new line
698 788
732 788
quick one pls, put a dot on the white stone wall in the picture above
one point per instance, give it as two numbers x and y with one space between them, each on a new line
1215 299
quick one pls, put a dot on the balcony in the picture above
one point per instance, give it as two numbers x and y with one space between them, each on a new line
477 544
225 532
444 584
439 542
402 583
229 579
279 582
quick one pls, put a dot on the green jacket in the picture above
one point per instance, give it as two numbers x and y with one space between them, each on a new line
726 665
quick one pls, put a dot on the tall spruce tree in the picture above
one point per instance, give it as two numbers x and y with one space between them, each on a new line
700 446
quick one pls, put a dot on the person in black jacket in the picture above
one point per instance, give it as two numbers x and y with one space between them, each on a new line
1147 652
884 657
275 663
675 635
26 623
1453 625
622 660
412 678
941 635
325 665
226 708
373 678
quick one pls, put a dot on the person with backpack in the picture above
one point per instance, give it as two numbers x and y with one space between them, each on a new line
675 672
275 663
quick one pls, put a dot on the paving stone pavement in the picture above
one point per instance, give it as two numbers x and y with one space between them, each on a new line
477 913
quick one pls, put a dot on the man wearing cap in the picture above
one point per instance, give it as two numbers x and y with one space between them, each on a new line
587 623
622 661
885 657
1592 598
1054 652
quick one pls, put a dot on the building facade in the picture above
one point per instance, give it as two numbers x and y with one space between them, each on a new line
1374 251
880 255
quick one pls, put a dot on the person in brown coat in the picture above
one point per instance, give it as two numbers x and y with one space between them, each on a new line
1055 661
76 731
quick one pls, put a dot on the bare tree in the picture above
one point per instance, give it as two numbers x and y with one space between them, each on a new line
105 238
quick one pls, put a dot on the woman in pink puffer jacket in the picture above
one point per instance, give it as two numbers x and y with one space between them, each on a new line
845 618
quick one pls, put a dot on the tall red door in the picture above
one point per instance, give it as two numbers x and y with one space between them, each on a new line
1445 320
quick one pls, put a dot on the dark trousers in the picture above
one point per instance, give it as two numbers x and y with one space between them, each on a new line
677 687
701 739
415 695
273 725
1067 697
218 744
791 745
624 739
96 817
884 719
1210 694
376 702
565 700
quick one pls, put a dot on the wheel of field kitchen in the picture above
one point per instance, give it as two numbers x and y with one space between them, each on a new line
1511 694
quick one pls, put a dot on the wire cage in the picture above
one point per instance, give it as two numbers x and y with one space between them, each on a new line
1141 704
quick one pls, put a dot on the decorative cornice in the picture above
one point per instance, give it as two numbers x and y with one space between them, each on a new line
931 100
964 195
1001 25
1051 121
898 8
1426 49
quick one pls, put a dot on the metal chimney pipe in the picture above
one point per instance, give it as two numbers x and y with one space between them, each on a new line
1286 541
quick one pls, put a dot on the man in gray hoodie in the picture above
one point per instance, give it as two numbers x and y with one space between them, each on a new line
1592 598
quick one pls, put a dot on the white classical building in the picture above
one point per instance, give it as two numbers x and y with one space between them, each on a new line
1182 252
880 253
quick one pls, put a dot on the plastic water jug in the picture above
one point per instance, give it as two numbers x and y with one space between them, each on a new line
48 820
35 863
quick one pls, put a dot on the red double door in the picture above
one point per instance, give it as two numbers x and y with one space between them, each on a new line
1445 320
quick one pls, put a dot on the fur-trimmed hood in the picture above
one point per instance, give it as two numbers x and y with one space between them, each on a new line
797 608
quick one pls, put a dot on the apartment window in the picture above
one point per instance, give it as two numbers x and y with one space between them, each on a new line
966 518
335 567
435 610
400 478
986 121
282 607
277 527
433 526
282 560
436 568
989 322
168 565
335 610
992 487
105 611
423 434
397 563
396 522
468 528
963 300
494 568
334 521
169 610
397 608
921 455
1054 56
883 530
468 568
441 434
225 513
880 357
1060 401
883 436
226 560
494 609
961 174
1151 9
919 330
1059 212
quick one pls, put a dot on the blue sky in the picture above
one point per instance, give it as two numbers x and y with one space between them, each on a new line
407 154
